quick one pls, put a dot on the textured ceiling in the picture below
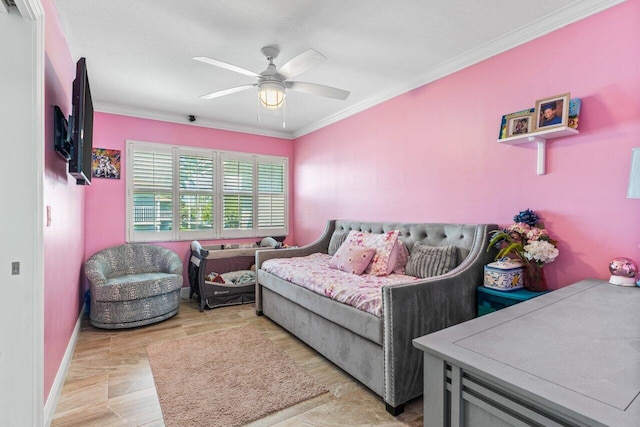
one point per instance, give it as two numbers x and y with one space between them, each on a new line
139 53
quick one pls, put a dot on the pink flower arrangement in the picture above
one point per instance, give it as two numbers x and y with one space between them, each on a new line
528 241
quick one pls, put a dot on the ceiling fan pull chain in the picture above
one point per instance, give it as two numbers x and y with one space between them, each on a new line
284 113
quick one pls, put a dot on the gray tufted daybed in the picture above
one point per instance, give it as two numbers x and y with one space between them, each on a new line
133 285
378 350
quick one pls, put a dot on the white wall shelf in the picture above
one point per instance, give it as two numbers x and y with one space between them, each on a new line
540 137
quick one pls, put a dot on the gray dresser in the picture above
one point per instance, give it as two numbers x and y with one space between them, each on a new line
570 357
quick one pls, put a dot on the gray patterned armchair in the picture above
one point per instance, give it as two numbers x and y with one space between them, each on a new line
133 285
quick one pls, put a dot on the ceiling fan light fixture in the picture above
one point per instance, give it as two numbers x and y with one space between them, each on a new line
271 94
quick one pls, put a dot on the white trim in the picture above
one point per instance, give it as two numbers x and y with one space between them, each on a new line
56 388
30 9
104 107
3 7
39 252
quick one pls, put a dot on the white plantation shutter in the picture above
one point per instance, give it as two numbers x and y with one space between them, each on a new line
152 195
272 198
237 194
184 193
196 194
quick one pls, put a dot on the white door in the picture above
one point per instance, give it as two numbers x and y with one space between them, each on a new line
21 220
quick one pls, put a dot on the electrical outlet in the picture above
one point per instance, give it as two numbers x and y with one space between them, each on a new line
15 268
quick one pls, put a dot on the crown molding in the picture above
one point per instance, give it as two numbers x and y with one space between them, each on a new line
546 25
105 107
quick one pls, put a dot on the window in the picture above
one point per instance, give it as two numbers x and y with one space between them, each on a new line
152 197
237 193
181 193
196 192
271 196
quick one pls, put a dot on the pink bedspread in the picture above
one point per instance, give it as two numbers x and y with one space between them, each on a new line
313 272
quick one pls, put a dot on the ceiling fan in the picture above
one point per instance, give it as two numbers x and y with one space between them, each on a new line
273 81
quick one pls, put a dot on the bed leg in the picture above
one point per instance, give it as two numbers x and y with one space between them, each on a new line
395 411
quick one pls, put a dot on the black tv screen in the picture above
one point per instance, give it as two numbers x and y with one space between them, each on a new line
81 126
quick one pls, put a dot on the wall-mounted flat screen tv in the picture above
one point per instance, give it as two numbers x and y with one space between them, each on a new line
73 140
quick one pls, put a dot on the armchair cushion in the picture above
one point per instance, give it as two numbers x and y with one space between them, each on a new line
121 288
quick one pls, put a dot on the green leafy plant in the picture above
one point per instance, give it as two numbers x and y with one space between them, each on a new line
527 241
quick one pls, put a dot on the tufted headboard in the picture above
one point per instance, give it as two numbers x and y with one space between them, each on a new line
461 236
467 238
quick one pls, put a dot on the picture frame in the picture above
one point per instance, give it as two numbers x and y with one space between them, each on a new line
505 121
520 124
574 113
105 163
552 112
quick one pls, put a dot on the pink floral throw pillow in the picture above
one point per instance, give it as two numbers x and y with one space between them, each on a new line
401 257
382 243
352 259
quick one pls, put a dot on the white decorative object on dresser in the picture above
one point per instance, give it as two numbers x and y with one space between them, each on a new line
569 357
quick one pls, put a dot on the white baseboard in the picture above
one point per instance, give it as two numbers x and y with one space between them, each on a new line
184 292
56 388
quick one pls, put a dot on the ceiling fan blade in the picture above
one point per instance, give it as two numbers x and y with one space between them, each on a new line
229 91
315 89
301 63
226 66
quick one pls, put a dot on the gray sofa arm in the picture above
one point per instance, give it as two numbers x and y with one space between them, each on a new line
319 246
415 309
94 270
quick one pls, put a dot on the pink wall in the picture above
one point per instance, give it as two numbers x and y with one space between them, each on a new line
431 155
87 219
64 238
105 198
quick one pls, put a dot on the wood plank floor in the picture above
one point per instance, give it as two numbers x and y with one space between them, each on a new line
110 383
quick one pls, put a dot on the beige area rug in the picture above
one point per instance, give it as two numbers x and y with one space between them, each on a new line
226 378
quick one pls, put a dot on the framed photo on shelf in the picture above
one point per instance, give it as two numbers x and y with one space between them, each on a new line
552 112
520 124
574 113
504 123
